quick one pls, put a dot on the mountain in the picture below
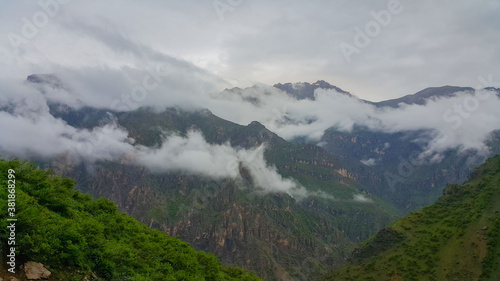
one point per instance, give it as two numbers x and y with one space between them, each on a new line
79 238
306 90
456 238
422 96
275 235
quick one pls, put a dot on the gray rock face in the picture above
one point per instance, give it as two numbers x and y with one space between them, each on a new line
36 271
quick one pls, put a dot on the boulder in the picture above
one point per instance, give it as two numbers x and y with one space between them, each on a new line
36 271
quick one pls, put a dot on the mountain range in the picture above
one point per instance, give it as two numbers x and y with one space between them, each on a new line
286 208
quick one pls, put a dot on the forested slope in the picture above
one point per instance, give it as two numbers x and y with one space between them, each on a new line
79 237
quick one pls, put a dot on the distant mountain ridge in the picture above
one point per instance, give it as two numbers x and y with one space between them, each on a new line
422 96
306 90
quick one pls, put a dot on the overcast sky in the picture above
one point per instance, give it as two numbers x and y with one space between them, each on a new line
244 42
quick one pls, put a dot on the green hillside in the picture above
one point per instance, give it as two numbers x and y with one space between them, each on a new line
457 238
78 236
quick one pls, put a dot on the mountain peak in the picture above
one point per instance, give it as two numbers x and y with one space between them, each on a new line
47 79
256 124
305 90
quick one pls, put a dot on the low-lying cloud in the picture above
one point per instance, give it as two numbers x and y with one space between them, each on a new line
463 121
192 154
362 198
32 132
369 162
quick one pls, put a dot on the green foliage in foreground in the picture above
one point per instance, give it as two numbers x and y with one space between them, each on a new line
70 232
457 238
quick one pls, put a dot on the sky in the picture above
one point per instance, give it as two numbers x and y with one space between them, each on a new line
374 49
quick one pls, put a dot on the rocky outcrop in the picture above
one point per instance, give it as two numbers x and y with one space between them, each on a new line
36 271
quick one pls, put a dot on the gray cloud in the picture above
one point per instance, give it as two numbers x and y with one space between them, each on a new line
269 42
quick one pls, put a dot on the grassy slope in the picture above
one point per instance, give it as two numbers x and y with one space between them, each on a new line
457 238
76 235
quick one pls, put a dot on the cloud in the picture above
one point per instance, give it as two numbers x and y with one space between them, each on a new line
193 155
368 162
463 121
361 198
32 132
46 137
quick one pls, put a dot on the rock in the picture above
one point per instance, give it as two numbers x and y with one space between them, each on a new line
36 271
11 278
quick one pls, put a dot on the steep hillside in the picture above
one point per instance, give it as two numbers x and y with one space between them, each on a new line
457 238
80 238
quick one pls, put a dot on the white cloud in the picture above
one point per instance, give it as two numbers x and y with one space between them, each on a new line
32 132
361 198
192 154
368 162
462 122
